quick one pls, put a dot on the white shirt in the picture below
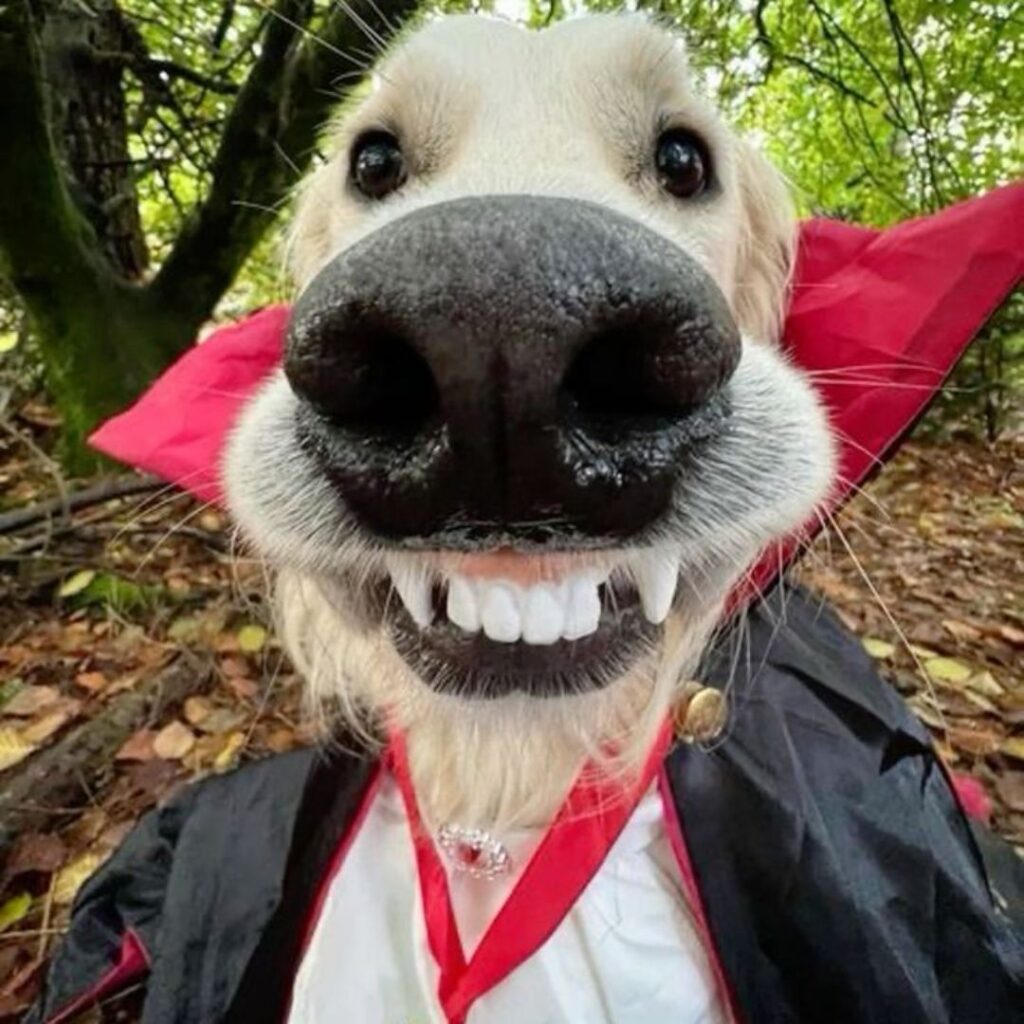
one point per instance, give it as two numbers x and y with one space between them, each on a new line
627 952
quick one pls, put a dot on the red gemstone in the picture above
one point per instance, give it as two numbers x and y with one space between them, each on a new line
468 855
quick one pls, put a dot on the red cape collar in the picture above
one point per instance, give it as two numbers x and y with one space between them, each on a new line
877 318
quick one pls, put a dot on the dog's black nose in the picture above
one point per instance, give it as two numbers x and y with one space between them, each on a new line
510 368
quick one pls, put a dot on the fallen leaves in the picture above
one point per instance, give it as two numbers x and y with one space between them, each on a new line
251 638
947 670
227 758
1010 788
14 910
30 700
879 649
36 851
72 876
941 537
173 741
92 682
138 747
1013 747
84 625
76 583
14 748
198 709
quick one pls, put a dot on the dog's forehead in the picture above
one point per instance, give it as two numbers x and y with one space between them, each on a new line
579 55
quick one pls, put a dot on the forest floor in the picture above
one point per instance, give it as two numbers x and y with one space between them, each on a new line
135 653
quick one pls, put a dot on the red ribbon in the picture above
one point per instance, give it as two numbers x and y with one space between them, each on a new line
570 854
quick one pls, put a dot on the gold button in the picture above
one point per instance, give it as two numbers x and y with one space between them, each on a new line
700 714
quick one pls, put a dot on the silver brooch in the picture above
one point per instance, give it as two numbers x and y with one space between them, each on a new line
473 851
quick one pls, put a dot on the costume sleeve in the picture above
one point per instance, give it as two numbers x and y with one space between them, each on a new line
115 922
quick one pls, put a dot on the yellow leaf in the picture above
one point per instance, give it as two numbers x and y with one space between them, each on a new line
229 754
14 910
947 670
8 341
880 649
174 741
70 878
13 747
985 683
924 653
251 638
76 583
1013 747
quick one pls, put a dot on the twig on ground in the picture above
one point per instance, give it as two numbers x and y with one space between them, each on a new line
105 490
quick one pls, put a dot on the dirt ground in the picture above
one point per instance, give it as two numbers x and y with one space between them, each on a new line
134 654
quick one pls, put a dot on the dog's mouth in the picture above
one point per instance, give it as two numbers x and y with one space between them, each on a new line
490 625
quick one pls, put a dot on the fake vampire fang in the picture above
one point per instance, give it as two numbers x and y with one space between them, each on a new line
537 613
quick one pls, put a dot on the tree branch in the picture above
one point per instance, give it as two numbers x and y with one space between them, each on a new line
104 490
268 141
772 51
224 87
142 64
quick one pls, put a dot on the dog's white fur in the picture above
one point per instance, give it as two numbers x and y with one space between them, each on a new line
484 107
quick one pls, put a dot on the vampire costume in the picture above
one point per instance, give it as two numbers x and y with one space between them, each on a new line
810 865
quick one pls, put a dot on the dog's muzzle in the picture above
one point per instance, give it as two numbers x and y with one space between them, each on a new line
510 370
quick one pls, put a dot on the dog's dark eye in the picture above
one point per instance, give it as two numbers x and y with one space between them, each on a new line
378 166
683 164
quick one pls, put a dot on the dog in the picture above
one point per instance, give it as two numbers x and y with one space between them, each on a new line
534 422
532 428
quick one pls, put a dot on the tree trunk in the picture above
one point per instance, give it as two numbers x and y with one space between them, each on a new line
105 341
84 51
70 239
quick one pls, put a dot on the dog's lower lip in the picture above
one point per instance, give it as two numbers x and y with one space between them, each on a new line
450 660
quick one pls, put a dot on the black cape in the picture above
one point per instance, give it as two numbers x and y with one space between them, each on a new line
840 879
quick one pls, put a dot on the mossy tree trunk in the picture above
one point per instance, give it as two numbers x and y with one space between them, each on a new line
70 248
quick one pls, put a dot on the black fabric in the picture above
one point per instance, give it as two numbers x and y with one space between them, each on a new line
331 800
841 882
128 892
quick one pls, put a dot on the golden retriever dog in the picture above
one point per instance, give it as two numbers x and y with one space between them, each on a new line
533 422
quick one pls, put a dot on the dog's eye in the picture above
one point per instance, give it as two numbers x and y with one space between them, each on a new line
378 166
683 163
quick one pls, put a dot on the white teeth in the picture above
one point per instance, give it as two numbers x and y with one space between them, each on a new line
499 612
656 576
463 608
414 589
543 614
582 607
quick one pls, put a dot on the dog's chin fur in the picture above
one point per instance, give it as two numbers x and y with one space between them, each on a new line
509 761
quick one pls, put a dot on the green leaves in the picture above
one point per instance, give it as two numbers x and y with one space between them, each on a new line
88 587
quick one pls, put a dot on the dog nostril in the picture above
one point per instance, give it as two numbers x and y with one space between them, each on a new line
373 382
397 392
634 371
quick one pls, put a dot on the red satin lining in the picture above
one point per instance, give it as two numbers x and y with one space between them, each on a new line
568 857
132 960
